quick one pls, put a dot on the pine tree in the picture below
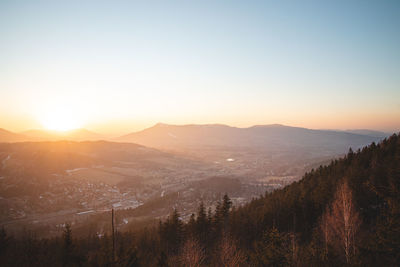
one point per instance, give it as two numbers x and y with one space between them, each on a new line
171 233
226 206
273 250
131 260
4 241
201 229
162 260
67 245
191 226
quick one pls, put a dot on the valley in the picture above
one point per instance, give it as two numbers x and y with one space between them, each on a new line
45 184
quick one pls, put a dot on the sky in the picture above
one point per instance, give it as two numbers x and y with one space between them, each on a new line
121 66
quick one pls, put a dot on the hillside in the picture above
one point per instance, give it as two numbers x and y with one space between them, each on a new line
373 175
344 214
9 137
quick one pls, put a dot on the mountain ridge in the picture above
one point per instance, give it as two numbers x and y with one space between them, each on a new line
80 134
36 135
221 135
258 136
8 136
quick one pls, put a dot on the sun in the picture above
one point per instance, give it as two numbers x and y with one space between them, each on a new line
60 119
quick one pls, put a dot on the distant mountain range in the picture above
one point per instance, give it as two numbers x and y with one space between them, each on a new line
10 137
273 136
43 135
265 137
75 135
368 132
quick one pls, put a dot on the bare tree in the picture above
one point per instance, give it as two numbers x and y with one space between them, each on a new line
341 224
192 254
325 230
294 249
230 255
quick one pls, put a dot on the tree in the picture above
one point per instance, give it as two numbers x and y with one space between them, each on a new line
201 214
191 225
325 230
4 240
71 254
342 222
129 258
192 254
67 245
226 207
162 260
202 224
171 233
229 253
273 250
222 213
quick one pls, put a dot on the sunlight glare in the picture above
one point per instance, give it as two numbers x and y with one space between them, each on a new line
60 119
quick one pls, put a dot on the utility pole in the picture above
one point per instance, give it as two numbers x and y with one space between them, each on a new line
113 236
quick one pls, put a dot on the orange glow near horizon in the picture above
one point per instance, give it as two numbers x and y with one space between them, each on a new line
64 119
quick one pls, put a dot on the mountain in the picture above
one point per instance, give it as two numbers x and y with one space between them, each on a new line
44 135
369 133
263 137
9 137
73 135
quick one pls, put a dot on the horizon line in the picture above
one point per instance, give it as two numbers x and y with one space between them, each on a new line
122 133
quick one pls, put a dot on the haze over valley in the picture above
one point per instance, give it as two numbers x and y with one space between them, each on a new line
45 183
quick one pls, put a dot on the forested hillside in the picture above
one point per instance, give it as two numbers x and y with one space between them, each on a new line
346 213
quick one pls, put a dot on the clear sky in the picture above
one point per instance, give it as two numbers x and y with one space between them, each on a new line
119 66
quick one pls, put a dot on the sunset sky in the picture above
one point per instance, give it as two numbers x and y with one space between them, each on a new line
120 66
